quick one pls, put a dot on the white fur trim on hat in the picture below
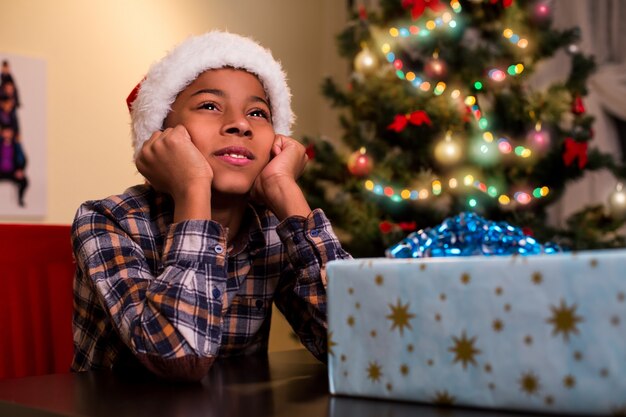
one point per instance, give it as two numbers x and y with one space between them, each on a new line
181 66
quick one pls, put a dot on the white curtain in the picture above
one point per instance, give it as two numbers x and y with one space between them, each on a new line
599 22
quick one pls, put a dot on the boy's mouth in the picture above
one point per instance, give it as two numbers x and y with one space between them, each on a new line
235 155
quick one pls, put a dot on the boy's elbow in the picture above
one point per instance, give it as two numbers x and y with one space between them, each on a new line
188 368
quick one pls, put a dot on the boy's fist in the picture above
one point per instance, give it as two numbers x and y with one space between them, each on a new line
172 164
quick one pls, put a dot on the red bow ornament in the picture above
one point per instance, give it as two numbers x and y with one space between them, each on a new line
362 13
418 6
310 151
505 3
417 118
575 150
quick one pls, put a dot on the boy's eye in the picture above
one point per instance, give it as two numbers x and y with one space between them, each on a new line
208 106
260 113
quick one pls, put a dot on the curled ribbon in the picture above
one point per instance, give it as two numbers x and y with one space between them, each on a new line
418 6
387 226
417 118
575 150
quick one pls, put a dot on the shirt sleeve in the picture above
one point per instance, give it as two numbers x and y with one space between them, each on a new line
170 321
310 244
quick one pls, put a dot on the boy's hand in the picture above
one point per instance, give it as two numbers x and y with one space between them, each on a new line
172 164
276 185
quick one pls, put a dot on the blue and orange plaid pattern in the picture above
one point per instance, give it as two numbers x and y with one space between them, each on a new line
176 296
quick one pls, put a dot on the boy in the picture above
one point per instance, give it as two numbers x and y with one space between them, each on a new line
174 274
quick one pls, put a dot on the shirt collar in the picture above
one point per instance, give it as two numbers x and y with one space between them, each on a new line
255 215
256 238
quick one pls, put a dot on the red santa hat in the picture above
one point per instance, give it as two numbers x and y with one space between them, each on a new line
149 103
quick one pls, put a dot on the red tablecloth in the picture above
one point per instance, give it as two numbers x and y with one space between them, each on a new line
36 272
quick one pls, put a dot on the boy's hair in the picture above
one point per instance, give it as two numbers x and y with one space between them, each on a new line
150 102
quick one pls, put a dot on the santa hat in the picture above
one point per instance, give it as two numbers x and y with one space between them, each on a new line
149 103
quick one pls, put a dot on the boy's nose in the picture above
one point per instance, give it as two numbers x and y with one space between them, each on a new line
237 127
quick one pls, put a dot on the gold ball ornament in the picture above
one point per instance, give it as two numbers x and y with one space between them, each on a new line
435 68
359 163
617 202
448 150
365 61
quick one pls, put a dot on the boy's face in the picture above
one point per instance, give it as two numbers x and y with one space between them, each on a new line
227 115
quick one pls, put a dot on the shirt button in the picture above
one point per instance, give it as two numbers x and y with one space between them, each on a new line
259 304
315 232
218 249
216 293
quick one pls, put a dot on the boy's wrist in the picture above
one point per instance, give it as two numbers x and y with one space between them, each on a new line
285 198
192 204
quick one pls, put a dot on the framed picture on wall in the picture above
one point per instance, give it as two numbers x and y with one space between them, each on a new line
23 185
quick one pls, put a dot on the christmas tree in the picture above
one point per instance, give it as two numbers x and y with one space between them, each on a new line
440 117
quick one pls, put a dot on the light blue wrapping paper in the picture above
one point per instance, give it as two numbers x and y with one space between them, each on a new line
543 333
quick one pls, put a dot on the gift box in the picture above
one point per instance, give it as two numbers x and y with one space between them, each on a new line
535 333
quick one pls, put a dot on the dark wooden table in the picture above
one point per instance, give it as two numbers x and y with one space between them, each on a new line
291 383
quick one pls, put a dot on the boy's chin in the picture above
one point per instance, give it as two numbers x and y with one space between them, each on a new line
232 189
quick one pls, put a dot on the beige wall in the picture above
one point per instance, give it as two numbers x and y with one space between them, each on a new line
97 50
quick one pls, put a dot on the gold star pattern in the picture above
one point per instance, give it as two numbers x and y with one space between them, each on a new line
343 358
465 278
615 321
373 333
528 340
442 297
564 320
350 291
549 400
379 280
400 316
529 383
350 321
604 372
507 307
404 369
593 263
464 350
409 347
621 297
488 368
357 306
331 344
578 356
537 278
430 362
497 325
443 398
374 371
498 290
569 382
389 386
422 267
437 317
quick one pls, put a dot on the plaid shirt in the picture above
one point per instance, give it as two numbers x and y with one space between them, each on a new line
173 295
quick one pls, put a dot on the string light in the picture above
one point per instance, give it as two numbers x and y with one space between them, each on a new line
438 88
469 181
